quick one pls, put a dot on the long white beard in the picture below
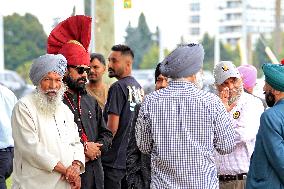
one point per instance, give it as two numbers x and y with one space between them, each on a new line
48 105
199 80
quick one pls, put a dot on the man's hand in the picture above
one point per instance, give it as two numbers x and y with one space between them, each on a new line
93 150
60 168
224 95
72 173
76 184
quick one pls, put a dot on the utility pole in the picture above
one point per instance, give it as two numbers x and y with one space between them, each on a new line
244 47
1 43
277 32
93 42
217 38
104 30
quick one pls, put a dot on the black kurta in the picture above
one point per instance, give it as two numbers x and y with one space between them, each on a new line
95 128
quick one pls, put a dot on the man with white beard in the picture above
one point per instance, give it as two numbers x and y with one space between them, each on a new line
48 151
245 110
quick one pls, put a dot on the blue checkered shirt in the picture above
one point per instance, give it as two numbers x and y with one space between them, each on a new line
181 126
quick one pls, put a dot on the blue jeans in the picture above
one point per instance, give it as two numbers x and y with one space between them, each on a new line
6 165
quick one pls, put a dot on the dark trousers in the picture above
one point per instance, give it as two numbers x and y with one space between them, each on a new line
92 178
6 165
115 178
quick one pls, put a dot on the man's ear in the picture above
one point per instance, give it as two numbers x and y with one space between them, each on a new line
275 92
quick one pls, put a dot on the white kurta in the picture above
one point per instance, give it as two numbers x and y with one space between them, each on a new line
42 141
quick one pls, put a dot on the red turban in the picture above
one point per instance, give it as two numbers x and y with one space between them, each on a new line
71 38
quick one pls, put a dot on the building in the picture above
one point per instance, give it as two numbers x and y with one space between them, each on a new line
232 19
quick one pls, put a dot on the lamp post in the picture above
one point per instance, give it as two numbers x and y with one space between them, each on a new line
1 43
93 13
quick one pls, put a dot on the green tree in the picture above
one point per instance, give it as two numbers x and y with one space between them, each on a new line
259 56
208 45
151 58
23 71
24 39
139 40
229 53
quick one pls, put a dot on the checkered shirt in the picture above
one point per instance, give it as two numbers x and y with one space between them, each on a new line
181 126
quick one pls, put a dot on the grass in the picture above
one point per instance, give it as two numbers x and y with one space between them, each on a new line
9 183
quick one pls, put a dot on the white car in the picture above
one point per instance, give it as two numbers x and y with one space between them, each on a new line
15 83
146 78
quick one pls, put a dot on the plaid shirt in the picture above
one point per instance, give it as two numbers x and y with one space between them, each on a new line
181 126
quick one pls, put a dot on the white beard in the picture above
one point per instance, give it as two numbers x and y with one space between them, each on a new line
199 80
236 97
47 105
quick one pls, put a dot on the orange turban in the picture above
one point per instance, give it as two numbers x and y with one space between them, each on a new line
71 38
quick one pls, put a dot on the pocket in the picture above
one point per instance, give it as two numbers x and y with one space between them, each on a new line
30 171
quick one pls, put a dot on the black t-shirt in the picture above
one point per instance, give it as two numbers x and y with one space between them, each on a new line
123 95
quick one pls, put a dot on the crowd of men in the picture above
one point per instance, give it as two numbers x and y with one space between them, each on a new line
75 131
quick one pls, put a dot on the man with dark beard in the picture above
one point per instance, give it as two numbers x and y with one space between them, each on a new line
48 152
245 110
123 95
266 167
87 113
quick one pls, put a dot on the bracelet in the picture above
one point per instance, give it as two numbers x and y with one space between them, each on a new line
76 163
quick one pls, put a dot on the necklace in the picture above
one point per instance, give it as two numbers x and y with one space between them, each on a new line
79 120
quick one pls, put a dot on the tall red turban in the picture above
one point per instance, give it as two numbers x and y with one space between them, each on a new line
71 38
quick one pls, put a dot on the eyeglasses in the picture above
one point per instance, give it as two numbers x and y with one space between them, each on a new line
81 69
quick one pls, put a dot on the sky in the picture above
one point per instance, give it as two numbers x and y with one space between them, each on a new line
167 15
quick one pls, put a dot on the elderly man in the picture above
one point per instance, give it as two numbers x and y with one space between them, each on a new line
266 169
87 113
245 111
48 152
181 125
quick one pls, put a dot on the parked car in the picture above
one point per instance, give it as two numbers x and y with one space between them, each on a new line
15 83
146 78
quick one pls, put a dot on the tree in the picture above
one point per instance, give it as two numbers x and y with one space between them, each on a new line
23 71
151 58
259 56
24 39
228 53
139 40
208 45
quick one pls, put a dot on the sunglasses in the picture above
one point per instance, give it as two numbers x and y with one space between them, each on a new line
81 69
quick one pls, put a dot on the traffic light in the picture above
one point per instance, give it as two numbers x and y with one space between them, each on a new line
127 4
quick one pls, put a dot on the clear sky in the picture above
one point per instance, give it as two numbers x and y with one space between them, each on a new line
167 15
